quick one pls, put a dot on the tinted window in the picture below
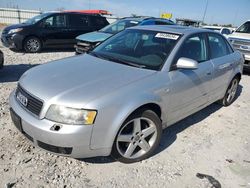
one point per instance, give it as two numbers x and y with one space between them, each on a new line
55 21
162 23
98 21
194 48
77 20
218 46
147 49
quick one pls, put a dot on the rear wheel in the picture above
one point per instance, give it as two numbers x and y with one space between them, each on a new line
32 45
230 93
138 137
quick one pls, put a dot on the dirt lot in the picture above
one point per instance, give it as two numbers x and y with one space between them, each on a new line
215 141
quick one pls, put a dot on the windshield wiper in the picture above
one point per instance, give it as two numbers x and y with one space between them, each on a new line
118 60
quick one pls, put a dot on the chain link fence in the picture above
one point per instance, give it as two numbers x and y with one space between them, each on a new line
14 16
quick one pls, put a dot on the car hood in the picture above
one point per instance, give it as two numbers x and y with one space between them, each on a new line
78 80
240 35
96 36
15 26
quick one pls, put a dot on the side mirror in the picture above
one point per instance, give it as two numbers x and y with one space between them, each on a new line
186 63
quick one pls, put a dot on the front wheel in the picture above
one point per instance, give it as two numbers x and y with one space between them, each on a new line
32 45
138 137
1 59
230 93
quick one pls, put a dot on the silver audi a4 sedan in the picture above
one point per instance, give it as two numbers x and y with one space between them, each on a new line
116 99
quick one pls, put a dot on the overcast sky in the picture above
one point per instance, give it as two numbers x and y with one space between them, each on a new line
218 11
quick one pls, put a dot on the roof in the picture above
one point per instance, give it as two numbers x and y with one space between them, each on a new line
102 12
139 18
188 20
143 18
171 29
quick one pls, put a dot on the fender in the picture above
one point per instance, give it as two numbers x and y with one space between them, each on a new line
117 119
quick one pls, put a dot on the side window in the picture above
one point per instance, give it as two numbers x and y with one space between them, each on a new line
56 21
78 21
218 46
194 48
98 21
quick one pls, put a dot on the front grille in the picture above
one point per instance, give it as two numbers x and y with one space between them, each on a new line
241 42
55 149
34 105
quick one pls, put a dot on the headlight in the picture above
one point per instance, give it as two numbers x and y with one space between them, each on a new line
62 114
15 30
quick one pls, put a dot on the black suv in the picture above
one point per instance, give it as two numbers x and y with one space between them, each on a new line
55 29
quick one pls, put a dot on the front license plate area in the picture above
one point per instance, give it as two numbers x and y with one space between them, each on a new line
16 120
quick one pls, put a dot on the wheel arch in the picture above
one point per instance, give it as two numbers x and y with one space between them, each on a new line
238 75
32 35
149 105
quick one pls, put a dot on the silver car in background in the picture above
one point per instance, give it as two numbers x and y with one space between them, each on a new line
117 99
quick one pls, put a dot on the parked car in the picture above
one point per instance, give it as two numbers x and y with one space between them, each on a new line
88 41
55 29
117 98
1 59
223 30
240 40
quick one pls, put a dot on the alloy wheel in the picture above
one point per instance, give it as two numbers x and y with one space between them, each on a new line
136 138
33 45
232 91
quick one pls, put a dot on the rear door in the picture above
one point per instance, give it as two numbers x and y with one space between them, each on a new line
54 30
190 88
79 24
223 59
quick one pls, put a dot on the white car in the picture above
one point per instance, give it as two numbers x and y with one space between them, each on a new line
240 40
223 30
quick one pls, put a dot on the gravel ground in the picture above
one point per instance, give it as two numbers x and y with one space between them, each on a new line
214 141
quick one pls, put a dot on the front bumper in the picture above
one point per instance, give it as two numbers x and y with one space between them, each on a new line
69 140
83 47
13 41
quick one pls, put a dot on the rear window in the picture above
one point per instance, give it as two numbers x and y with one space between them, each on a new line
119 26
78 21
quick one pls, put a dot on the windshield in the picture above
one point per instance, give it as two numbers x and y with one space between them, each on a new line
139 48
36 18
245 28
119 26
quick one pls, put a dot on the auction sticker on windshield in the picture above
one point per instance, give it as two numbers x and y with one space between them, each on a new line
167 36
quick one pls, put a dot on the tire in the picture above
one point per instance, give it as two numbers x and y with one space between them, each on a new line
231 92
138 137
32 45
1 59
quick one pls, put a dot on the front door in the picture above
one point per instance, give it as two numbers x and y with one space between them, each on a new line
190 88
55 31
